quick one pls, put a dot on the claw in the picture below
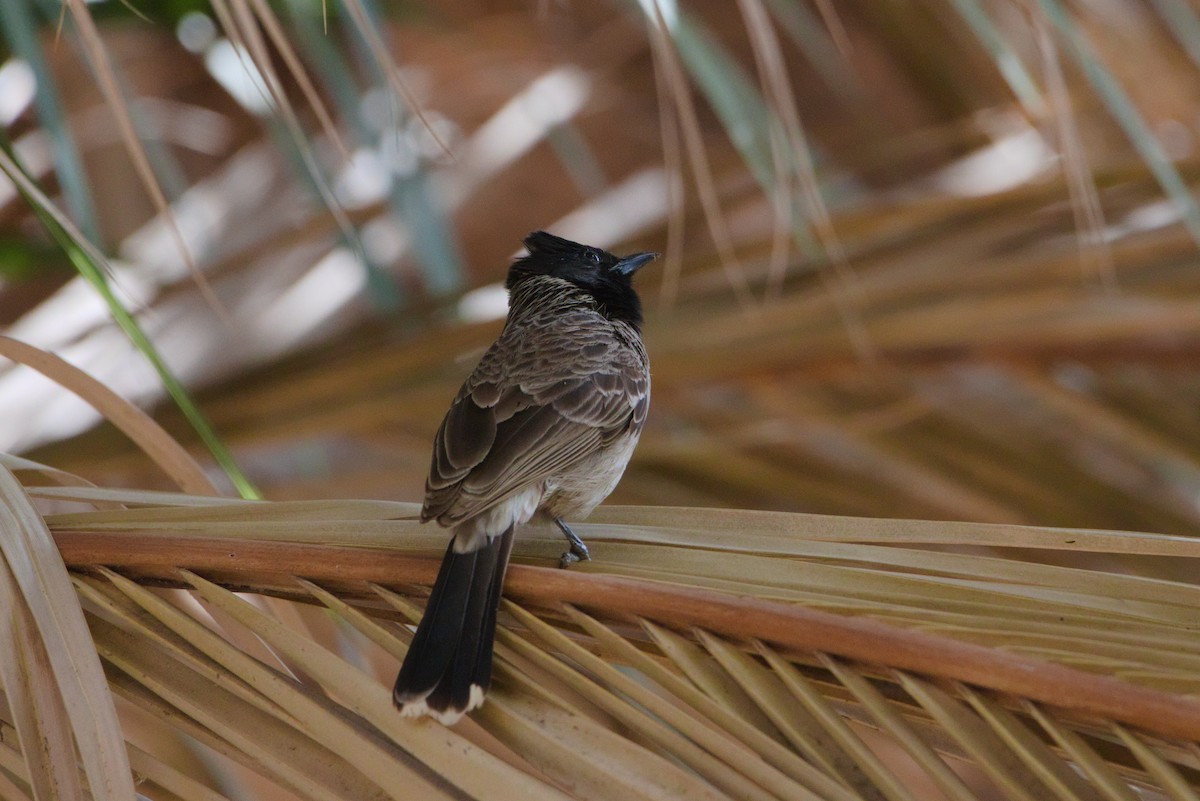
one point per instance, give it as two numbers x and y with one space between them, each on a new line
578 552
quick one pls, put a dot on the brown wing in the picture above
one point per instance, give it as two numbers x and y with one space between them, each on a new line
537 403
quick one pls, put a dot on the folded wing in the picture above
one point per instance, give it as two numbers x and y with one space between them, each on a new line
505 432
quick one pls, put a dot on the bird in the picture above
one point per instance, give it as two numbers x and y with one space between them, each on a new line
544 426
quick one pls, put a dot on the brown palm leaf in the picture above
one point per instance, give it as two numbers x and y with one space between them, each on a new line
703 653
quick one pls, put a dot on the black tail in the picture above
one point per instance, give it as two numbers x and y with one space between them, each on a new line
449 665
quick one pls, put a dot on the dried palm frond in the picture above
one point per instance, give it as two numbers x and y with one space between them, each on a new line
715 654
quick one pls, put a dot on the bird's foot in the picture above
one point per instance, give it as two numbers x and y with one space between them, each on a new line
578 552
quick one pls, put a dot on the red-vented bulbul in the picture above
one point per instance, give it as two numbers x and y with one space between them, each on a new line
544 425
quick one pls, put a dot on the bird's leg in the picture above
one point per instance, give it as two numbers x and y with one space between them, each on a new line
578 551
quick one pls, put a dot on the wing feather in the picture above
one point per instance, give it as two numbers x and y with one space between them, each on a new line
534 406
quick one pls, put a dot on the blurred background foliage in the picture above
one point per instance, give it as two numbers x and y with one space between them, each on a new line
921 258
931 259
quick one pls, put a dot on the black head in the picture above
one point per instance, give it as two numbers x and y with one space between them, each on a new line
607 278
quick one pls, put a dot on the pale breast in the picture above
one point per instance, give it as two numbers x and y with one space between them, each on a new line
575 492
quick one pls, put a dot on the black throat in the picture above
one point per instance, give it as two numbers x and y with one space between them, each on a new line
617 303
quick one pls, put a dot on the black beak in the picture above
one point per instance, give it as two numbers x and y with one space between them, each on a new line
631 264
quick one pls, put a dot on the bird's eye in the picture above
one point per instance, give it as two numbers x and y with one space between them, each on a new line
594 256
